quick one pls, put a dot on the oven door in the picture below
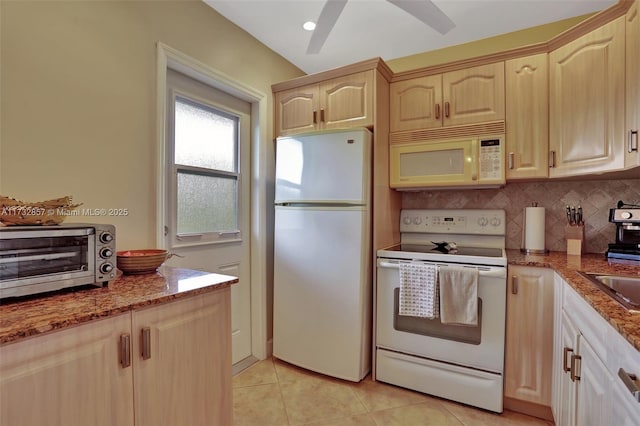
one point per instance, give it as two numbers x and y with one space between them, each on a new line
480 347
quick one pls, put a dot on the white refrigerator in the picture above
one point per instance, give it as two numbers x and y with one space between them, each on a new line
322 253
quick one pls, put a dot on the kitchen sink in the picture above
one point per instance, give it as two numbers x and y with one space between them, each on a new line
623 289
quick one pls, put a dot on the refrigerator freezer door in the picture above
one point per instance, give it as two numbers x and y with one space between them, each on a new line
322 290
331 167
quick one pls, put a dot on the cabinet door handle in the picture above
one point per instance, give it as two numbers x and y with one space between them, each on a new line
511 160
633 136
574 366
315 117
322 115
629 381
514 284
552 159
446 109
437 111
565 363
145 337
125 350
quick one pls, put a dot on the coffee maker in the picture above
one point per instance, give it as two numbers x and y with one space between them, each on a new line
627 220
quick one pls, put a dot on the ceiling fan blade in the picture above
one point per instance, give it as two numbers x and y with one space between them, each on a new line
327 19
426 12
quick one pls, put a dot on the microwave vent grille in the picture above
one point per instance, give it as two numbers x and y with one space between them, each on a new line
469 130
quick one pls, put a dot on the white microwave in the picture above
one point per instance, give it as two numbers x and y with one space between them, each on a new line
470 162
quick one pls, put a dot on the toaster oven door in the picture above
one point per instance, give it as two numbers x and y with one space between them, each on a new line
29 258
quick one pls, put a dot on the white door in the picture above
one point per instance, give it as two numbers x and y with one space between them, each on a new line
207 221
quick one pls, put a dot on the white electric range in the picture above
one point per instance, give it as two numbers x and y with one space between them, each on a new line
459 362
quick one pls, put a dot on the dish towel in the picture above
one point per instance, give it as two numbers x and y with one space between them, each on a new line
419 290
458 295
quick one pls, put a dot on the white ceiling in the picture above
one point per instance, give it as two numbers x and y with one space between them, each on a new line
376 28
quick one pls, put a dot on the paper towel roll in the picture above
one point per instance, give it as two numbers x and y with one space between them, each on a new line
534 228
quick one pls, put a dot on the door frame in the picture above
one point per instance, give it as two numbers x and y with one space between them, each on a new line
168 57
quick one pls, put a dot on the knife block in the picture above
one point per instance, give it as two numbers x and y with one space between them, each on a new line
574 234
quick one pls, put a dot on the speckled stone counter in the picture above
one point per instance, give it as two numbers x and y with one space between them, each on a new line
627 324
40 314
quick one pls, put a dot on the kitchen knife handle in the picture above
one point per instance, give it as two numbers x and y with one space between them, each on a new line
514 284
125 350
437 108
633 136
145 337
511 160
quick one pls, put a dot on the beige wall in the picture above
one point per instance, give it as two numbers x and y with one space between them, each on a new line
78 100
485 46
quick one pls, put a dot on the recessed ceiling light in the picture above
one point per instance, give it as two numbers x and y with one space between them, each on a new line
309 25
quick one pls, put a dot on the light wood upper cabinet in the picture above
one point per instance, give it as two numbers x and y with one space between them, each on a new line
296 110
529 340
587 103
69 377
527 117
343 102
416 103
471 95
632 150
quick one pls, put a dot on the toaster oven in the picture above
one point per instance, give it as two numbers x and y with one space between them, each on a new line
38 259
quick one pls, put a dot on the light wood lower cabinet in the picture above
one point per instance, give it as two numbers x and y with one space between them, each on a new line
187 377
69 377
75 376
529 341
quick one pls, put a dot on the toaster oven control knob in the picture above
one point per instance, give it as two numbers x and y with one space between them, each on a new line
106 253
105 268
106 237
626 215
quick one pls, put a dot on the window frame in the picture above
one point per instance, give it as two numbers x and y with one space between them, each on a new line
211 237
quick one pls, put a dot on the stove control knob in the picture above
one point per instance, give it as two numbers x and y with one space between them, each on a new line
407 220
495 221
483 221
417 221
625 215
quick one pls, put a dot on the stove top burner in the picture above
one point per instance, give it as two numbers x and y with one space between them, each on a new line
459 251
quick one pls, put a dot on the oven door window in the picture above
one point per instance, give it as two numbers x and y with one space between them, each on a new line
29 257
434 328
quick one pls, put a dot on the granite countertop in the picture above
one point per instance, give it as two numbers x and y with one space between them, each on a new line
34 315
625 322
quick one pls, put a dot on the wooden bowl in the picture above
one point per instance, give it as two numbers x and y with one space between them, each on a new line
140 261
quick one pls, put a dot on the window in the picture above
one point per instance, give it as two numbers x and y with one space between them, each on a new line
206 169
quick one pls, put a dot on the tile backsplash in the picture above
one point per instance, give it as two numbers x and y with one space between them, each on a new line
595 196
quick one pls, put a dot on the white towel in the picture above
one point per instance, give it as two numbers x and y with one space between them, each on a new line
418 290
458 295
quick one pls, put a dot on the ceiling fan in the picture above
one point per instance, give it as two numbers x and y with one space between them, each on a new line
423 10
